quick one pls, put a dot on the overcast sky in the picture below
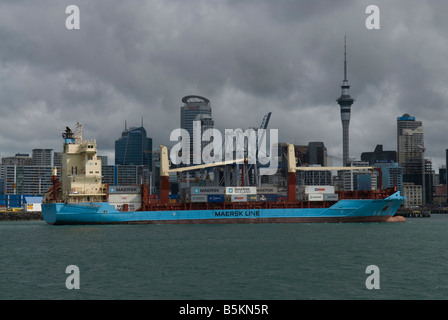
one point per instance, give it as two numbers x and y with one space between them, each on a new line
134 59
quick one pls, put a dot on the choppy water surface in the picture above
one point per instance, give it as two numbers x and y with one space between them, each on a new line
261 261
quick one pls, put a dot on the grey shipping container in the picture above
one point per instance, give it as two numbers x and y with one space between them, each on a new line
198 198
331 197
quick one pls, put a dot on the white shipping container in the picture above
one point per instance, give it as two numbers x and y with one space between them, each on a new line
319 189
315 197
241 190
33 207
124 189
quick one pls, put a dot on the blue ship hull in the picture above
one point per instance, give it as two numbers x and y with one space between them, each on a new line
342 211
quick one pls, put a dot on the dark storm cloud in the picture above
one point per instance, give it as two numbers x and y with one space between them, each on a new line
138 59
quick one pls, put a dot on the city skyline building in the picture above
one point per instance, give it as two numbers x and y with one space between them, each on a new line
410 143
114 175
345 102
25 179
316 153
392 174
41 157
20 159
195 108
411 156
446 171
206 122
359 179
134 147
379 155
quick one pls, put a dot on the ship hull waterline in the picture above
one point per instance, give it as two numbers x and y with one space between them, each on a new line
342 211
241 221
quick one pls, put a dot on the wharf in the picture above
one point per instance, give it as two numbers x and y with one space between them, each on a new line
20 216
421 213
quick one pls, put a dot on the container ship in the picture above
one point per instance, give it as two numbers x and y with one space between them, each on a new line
80 197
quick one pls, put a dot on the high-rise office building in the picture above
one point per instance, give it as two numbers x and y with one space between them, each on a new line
410 144
410 148
359 179
20 159
317 153
26 179
195 108
134 148
410 155
379 155
206 122
392 174
122 175
446 172
24 175
57 159
41 157
345 101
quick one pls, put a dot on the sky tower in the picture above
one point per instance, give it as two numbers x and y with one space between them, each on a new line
345 102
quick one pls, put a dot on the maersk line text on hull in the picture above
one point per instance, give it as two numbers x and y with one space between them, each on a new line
238 213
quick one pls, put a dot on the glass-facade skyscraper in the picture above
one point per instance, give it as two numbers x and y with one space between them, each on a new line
410 148
134 148
195 108
410 155
317 153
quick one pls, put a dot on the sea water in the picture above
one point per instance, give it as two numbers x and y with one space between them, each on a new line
229 261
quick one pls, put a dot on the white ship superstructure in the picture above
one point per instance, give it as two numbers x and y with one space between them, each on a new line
81 169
